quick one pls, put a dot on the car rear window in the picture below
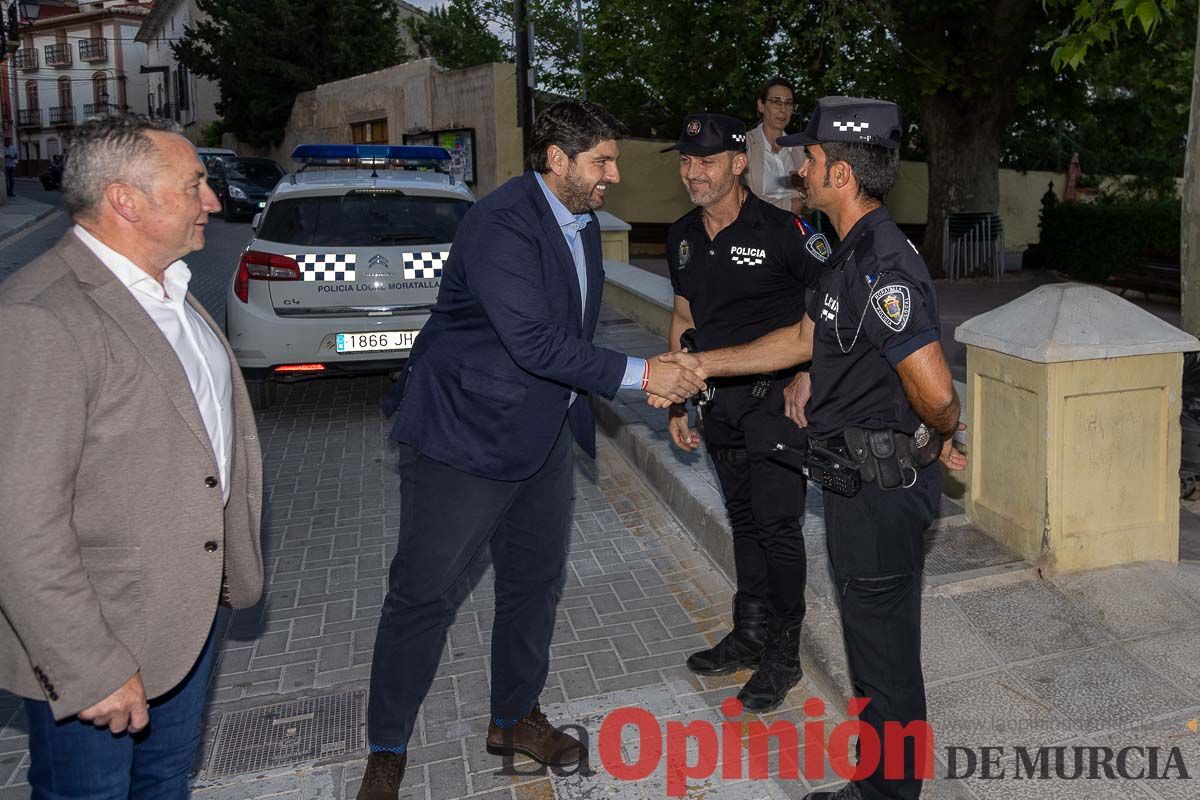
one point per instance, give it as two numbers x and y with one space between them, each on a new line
359 219
253 170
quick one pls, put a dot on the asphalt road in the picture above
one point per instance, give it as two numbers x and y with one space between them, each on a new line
212 268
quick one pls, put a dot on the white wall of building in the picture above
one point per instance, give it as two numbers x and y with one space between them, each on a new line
103 56
202 94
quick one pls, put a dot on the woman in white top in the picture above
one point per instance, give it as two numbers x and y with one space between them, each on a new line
771 167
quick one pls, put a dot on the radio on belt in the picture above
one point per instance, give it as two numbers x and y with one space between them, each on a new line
835 477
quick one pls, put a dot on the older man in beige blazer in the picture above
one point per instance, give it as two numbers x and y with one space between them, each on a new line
130 474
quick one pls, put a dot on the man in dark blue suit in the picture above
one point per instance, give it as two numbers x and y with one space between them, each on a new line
491 400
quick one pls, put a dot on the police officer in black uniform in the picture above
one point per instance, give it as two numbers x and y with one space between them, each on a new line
739 268
882 402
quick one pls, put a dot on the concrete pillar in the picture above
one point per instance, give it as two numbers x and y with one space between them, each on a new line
1073 404
614 237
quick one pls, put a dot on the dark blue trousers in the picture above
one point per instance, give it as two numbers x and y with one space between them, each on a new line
447 518
75 759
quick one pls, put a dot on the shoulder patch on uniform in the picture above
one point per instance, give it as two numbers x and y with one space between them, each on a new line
818 245
685 252
893 304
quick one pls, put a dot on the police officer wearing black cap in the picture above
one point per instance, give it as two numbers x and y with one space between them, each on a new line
739 268
883 403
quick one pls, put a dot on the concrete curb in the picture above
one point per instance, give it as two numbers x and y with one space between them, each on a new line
646 299
701 510
22 222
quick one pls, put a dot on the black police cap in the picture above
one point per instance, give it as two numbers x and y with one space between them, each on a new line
849 119
709 134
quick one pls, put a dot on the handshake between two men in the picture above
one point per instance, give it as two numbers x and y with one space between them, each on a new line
672 378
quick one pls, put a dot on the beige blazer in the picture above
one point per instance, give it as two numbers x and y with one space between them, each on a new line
755 142
113 537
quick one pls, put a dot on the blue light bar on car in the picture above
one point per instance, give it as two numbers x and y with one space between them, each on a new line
345 153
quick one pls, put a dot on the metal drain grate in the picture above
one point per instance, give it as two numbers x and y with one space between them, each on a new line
288 733
962 549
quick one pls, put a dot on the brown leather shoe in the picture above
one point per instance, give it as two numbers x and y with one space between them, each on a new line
384 773
537 738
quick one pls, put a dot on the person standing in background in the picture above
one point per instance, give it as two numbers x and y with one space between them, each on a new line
10 166
772 171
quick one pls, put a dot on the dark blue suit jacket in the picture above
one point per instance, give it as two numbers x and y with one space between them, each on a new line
491 374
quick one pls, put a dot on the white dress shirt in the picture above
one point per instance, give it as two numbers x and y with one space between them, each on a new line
201 353
777 171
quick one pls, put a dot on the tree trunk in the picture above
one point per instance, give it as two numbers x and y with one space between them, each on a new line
963 145
1189 237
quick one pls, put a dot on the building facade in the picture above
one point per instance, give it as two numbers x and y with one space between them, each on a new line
72 65
174 91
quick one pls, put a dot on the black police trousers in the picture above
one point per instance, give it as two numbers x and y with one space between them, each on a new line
876 543
764 499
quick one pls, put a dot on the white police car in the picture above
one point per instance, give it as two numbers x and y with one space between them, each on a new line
345 263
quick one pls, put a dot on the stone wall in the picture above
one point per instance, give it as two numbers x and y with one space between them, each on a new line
415 97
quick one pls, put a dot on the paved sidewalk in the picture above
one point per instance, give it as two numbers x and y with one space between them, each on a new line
639 597
1101 659
1108 658
20 213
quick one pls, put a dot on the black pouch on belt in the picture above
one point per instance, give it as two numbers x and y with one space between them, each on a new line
881 458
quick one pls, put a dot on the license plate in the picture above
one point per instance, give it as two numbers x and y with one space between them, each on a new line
262 204
377 342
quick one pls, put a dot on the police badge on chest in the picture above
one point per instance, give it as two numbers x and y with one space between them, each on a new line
685 253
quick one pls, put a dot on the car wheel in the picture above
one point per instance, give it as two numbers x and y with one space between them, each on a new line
262 392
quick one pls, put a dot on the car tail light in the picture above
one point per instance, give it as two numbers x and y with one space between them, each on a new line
259 266
300 368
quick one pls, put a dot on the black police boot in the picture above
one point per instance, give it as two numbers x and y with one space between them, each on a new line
741 648
777 674
847 792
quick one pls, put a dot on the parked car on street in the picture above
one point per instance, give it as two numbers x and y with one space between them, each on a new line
243 184
345 263
208 154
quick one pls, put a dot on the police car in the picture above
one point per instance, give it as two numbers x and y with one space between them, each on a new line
345 263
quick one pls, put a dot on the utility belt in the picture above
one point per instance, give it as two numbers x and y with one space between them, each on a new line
844 462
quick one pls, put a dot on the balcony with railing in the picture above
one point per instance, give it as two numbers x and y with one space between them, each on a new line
62 115
26 58
96 109
58 55
29 118
92 50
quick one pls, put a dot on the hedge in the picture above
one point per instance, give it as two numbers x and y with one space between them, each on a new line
1091 242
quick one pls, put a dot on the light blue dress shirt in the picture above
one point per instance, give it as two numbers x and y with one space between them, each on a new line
572 226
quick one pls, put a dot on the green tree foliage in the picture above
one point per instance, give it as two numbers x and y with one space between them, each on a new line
1100 22
459 35
1123 107
262 53
1124 110
651 63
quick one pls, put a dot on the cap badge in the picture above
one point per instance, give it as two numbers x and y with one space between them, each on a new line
893 304
685 253
856 127
693 127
